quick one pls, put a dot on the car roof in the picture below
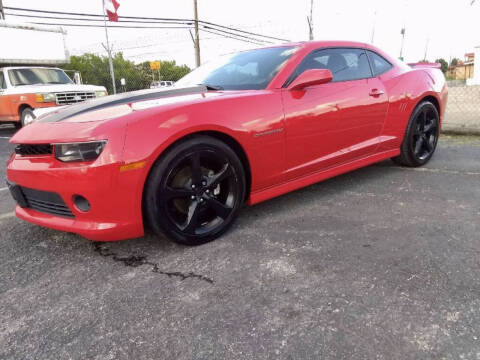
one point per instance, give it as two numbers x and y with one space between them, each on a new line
28 67
312 45
322 43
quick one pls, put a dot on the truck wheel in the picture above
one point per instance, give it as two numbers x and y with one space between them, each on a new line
26 118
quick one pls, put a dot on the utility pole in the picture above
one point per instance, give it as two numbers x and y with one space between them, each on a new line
426 49
109 50
374 25
197 35
310 21
403 41
2 14
405 4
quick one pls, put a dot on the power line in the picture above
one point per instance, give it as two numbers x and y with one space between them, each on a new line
83 19
92 48
237 36
115 27
149 18
245 32
230 33
230 37
91 15
149 27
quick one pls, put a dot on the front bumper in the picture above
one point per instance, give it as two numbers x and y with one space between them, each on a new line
115 212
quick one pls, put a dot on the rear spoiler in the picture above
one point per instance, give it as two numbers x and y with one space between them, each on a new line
421 65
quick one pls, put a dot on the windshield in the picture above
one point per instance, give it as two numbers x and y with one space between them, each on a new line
248 70
34 76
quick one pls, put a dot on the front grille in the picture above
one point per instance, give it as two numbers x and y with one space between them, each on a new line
68 98
33 149
46 202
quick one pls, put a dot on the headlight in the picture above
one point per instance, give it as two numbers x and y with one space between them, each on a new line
100 93
45 98
86 151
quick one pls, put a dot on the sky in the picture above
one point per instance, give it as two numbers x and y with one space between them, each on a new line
443 28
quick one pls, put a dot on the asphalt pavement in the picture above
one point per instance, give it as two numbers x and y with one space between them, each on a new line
380 263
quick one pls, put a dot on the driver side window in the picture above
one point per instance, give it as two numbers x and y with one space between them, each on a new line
3 86
345 64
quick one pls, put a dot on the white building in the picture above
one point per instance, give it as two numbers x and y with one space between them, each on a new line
476 69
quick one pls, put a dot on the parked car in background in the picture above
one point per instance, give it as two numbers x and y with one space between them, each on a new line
160 84
250 127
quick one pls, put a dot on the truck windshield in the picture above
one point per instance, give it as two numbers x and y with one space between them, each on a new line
248 70
35 76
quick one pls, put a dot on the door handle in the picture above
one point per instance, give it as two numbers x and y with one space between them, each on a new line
376 92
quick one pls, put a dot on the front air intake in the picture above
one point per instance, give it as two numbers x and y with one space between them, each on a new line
33 149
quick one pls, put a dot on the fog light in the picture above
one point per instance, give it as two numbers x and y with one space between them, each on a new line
81 203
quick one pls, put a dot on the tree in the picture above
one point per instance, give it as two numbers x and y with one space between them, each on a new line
95 70
444 64
169 70
454 62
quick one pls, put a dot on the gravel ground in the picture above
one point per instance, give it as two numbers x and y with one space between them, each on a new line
381 263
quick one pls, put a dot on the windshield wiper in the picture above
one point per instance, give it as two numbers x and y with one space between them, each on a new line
212 87
24 84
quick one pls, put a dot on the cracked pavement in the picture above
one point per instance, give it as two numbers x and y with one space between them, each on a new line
380 263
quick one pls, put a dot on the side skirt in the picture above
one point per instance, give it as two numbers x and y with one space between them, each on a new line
299 183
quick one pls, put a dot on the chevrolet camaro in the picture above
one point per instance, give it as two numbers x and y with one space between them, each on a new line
245 128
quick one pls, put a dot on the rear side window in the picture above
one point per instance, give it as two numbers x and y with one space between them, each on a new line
2 81
344 63
379 64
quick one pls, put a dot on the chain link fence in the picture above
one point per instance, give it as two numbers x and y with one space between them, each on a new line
463 110
129 76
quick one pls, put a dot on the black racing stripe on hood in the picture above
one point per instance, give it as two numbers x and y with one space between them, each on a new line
119 99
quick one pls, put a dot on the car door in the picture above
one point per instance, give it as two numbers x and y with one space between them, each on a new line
4 99
337 122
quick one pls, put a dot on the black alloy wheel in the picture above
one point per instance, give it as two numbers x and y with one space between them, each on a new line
421 137
195 191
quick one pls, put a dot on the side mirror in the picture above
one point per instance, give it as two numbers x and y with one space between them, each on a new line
310 78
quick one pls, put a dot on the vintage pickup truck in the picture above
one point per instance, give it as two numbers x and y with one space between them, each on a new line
27 92
30 81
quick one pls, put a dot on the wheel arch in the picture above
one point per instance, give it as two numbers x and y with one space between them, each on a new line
434 101
22 107
20 110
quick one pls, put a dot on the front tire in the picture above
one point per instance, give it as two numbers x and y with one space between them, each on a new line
26 117
421 136
195 191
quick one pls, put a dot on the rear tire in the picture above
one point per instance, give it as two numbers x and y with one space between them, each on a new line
421 136
195 191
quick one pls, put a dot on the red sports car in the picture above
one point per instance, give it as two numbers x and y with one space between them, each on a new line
243 129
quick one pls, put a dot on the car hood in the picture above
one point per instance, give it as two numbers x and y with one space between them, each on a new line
54 88
92 119
120 104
